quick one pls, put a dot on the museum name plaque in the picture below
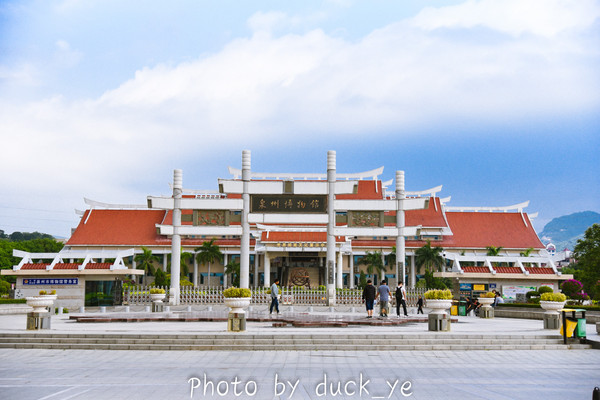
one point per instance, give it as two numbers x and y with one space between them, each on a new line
313 204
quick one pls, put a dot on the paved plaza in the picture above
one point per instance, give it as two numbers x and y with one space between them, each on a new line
104 374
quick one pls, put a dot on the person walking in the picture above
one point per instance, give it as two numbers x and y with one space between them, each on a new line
420 305
369 298
400 299
274 294
383 294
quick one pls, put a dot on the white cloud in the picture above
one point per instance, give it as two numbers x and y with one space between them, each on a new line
397 79
515 17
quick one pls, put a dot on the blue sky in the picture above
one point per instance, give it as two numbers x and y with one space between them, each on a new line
496 100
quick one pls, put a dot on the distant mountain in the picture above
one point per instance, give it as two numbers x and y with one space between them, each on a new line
566 230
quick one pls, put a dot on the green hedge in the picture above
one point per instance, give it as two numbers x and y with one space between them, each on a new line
13 301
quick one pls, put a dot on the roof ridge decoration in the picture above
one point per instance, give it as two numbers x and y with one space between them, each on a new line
431 192
374 174
515 207
99 204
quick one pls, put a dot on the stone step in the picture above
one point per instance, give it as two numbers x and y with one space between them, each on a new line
296 347
277 341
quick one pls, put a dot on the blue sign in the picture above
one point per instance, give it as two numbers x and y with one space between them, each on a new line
466 286
51 281
492 286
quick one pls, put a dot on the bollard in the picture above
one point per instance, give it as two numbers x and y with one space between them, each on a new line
291 308
126 308
60 310
167 308
147 309
102 309
81 309
209 308
352 310
188 309
310 309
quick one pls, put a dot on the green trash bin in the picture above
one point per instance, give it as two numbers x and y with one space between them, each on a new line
462 308
580 330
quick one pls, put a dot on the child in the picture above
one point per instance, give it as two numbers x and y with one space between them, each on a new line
420 304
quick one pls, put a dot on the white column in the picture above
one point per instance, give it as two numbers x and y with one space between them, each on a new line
245 242
176 239
195 271
330 266
400 243
255 283
351 264
267 270
225 262
413 271
340 272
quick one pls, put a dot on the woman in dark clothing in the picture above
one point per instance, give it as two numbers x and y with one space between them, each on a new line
369 298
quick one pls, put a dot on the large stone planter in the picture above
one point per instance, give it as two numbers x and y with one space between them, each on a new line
236 320
438 306
486 301
157 297
40 304
552 307
237 304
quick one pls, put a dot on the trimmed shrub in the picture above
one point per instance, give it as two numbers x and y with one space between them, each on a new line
558 297
545 289
438 294
237 292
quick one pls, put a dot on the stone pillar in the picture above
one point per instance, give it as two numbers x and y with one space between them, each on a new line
400 243
256 281
225 262
195 282
245 242
330 265
351 265
413 271
176 239
165 262
267 270
340 270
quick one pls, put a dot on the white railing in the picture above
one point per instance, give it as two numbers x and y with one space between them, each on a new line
293 296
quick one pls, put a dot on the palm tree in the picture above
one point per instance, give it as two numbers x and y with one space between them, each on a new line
372 261
429 257
526 253
233 269
145 261
494 251
208 253
184 258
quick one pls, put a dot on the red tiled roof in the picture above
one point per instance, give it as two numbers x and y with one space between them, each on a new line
66 266
35 266
429 217
98 266
484 270
367 190
538 270
508 270
483 229
117 227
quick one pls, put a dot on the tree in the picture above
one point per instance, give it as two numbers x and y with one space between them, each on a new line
494 251
362 280
429 257
587 254
208 253
372 261
184 258
233 270
145 261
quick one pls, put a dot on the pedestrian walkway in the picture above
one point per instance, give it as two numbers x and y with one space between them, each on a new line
433 374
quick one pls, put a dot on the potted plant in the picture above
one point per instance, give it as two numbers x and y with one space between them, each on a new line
552 302
157 295
438 300
42 302
487 299
237 299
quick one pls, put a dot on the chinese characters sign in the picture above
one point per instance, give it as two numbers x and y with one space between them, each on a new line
288 204
51 281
